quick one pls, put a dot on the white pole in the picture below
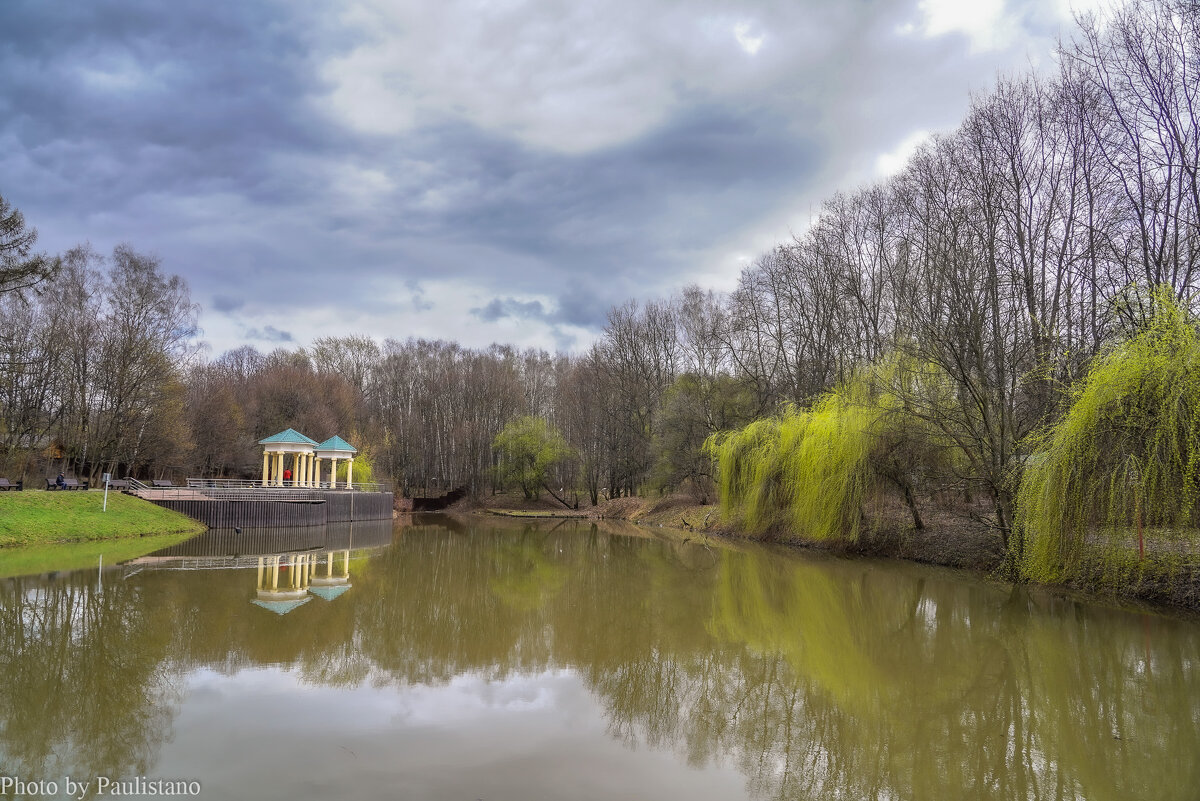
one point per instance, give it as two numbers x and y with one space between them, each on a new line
105 509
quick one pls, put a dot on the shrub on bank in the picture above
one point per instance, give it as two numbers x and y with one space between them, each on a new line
1111 491
803 470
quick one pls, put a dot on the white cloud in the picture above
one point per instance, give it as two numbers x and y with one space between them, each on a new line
1067 9
746 40
568 77
118 73
559 79
400 309
894 160
984 22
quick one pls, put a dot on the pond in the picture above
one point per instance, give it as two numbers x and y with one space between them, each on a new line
471 659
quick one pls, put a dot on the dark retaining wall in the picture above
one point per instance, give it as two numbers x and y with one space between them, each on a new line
319 508
343 506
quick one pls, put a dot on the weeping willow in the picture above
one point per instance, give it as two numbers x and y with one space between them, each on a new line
1111 490
803 469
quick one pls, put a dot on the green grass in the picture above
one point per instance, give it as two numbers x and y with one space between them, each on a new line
34 559
44 518
531 513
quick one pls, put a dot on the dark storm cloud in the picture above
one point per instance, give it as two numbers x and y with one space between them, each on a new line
499 308
224 303
632 200
350 161
268 334
125 98
606 225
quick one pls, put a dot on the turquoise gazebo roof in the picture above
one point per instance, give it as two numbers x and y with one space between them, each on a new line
329 593
337 444
281 607
289 437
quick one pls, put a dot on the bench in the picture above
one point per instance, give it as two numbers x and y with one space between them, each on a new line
68 484
119 484
6 485
161 483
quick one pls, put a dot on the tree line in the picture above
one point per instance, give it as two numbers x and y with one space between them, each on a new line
1004 257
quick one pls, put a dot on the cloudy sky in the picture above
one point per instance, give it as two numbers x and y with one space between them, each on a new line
478 171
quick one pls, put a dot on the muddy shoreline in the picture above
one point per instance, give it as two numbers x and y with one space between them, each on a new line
957 538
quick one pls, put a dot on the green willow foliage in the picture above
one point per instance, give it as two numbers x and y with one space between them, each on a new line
364 467
529 448
807 470
1118 475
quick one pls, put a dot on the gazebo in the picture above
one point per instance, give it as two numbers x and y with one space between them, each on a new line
276 449
306 457
333 449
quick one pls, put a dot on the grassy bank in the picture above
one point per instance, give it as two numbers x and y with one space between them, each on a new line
44 518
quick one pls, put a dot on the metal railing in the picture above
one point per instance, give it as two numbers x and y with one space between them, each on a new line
205 484
247 491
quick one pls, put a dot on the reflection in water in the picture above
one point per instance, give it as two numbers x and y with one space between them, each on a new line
814 677
301 579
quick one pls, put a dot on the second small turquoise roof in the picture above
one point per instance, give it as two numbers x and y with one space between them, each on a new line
329 593
281 607
291 436
337 444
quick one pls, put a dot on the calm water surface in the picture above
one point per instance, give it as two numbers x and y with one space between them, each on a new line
468 660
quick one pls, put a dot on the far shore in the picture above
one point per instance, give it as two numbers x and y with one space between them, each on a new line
946 540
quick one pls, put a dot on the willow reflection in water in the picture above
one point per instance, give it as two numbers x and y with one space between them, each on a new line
813 678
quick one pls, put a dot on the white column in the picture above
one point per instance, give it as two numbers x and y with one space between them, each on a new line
266 465
317 471
302 469
333 472
350 473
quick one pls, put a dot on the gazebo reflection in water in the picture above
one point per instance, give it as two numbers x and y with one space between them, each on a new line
301 580
291 564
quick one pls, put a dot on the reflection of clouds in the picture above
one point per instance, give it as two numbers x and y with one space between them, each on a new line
267 733
464 699
471 696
